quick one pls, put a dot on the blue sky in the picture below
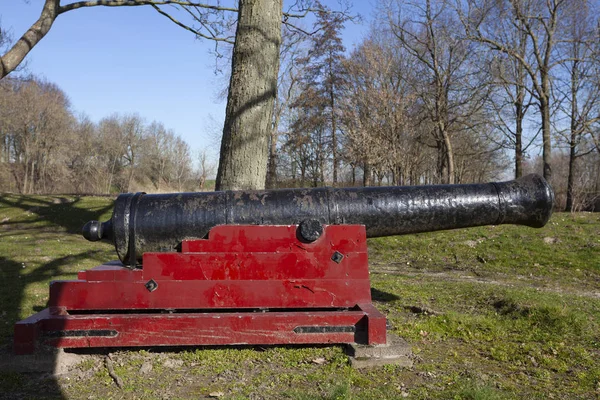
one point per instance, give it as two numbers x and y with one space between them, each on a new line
131 59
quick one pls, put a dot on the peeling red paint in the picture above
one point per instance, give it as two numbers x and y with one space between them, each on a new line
210 292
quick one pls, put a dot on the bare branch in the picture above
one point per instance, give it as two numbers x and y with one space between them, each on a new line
16 54
189 28
134 3
296 28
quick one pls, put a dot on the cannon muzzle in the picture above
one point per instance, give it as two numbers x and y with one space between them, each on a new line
159 222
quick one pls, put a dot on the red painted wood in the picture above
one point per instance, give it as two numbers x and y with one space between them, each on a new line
28 331
377 324
202 328
221 281
127 330
293 293
254 266
236 238
113 271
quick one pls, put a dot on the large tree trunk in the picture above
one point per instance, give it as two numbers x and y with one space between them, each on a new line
25 177
519 140
571 176
32 179
520 117
449 158
252 91
130 179
520 107
334 143
302 174
272 168
545 109
573 138
366 173
546 145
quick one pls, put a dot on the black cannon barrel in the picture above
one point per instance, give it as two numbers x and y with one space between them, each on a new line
159 222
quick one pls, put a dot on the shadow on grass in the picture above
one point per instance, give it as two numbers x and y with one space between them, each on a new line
384 297
50 214
18 375
15 282
14 383
59 211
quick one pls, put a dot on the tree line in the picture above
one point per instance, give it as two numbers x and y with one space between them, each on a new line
439 91
446 91
46 148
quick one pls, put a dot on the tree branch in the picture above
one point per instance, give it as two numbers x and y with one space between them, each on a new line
52 9
296 28
15 55
134 3
189 28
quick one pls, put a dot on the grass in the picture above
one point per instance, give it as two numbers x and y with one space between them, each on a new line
491 313
40 241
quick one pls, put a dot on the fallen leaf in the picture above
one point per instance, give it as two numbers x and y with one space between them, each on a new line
216 394
319 361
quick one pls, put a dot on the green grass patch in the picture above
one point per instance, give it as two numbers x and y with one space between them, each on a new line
565 251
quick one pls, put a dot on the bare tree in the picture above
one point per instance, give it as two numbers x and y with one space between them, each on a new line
388 128
511 98
112 150
448 81
206 168
289 77
132 128
578 87
158 147
540 21
376 110
182 163
44 148
5 38
34 120
297 147
82 158
321 84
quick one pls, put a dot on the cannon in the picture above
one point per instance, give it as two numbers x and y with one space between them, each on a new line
144 223
286 266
